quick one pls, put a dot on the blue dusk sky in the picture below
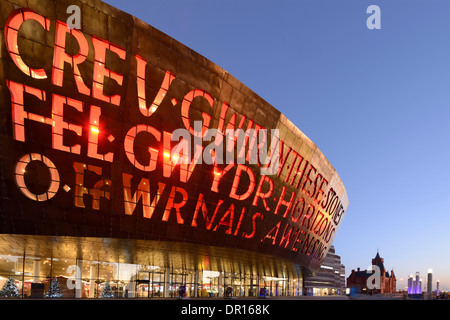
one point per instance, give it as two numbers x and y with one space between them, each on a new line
376 103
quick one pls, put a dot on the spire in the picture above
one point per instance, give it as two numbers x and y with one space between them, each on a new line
378 261
378 255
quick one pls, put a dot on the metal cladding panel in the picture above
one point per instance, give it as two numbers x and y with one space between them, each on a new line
87 121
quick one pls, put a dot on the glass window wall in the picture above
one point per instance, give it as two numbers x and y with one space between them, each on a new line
47 277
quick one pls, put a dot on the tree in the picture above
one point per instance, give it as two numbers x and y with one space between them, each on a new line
10 289
54 291
107 291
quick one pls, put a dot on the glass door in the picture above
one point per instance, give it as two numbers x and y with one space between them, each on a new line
157 284
142 284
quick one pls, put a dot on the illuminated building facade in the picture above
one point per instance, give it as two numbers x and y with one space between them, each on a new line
329 279
100 187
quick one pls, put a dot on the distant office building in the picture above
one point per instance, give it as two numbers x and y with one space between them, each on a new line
329 279
358 280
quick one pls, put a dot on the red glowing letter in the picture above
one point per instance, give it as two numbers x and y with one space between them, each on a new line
229 215
11 31
185 106
143 190
100 72
171 204
251 235
59 124
60 57
308 180
20 181
96 191
201 205
94 133
129 145
241 168
218 175
261 195
295 210
272 234
168 78
18 113
285 203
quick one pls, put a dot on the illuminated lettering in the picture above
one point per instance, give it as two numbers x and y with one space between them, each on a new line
94 134
96 191
202 206
159 151
129 146
18 113
235 138
20 171
308 180
282 160
59 124
314 224
296 209
100 71
231 125
321 226
255 216
229 215
329 230
179 155
298 240
185 106
282 202
299 173
60 57
319 189
307 216
272 234
249 132
218 174
171 204
56 121
12 26
143 191
236 231
291 167
167 81
237 178
287 237
261 195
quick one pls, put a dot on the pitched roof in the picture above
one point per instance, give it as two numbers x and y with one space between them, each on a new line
363 274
